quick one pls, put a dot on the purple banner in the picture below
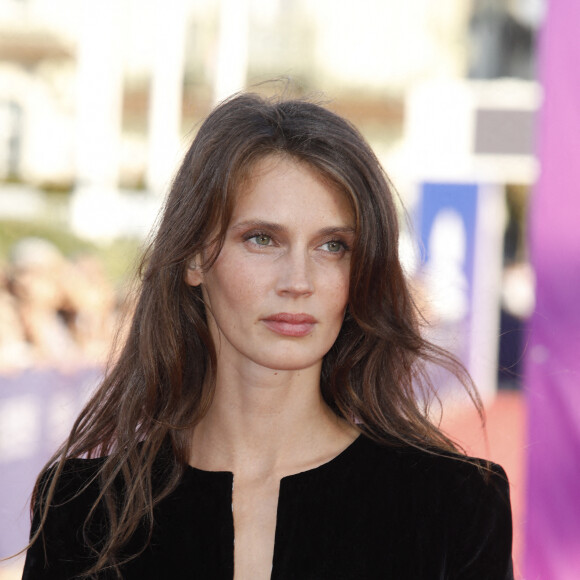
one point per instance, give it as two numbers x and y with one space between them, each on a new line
553 353
37 409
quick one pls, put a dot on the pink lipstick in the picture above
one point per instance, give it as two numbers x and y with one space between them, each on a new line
288 324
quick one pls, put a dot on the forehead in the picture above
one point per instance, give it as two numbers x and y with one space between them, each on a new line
280 184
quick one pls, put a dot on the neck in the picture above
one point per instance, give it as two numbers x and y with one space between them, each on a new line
271 422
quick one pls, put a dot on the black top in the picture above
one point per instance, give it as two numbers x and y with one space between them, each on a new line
372 512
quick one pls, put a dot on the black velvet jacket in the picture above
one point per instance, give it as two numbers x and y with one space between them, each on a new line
373 512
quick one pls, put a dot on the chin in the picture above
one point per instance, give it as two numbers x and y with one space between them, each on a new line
291 363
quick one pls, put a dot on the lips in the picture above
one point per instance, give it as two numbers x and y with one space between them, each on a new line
288 324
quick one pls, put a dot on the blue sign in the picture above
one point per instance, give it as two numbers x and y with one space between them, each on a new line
447 224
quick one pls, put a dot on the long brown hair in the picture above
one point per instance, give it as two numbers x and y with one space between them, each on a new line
163 379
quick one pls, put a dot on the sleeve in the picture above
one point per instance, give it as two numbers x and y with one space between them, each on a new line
481 526
59 552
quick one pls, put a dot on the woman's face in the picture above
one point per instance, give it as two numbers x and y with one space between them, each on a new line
277 293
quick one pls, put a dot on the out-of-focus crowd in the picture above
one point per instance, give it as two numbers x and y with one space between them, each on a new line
54 311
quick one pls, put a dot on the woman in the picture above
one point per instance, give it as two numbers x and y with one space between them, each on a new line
268 388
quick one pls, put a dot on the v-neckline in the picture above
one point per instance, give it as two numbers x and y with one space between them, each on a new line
286 483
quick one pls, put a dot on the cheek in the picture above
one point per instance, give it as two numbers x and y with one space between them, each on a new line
230 286
338 289
334 303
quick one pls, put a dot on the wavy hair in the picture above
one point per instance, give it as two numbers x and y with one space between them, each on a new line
162 383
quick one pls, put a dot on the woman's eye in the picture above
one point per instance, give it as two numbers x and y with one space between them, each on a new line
333 246
261 239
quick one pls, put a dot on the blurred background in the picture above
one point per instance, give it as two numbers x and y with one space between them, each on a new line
99 101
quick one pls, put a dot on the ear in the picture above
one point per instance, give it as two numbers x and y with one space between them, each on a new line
193 274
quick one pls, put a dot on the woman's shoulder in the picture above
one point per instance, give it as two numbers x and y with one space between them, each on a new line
434 470
423 457
74 476
60 551
447 497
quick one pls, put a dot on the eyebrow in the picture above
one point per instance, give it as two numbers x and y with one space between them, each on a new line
274 227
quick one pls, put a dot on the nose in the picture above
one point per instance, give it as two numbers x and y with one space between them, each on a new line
295 275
